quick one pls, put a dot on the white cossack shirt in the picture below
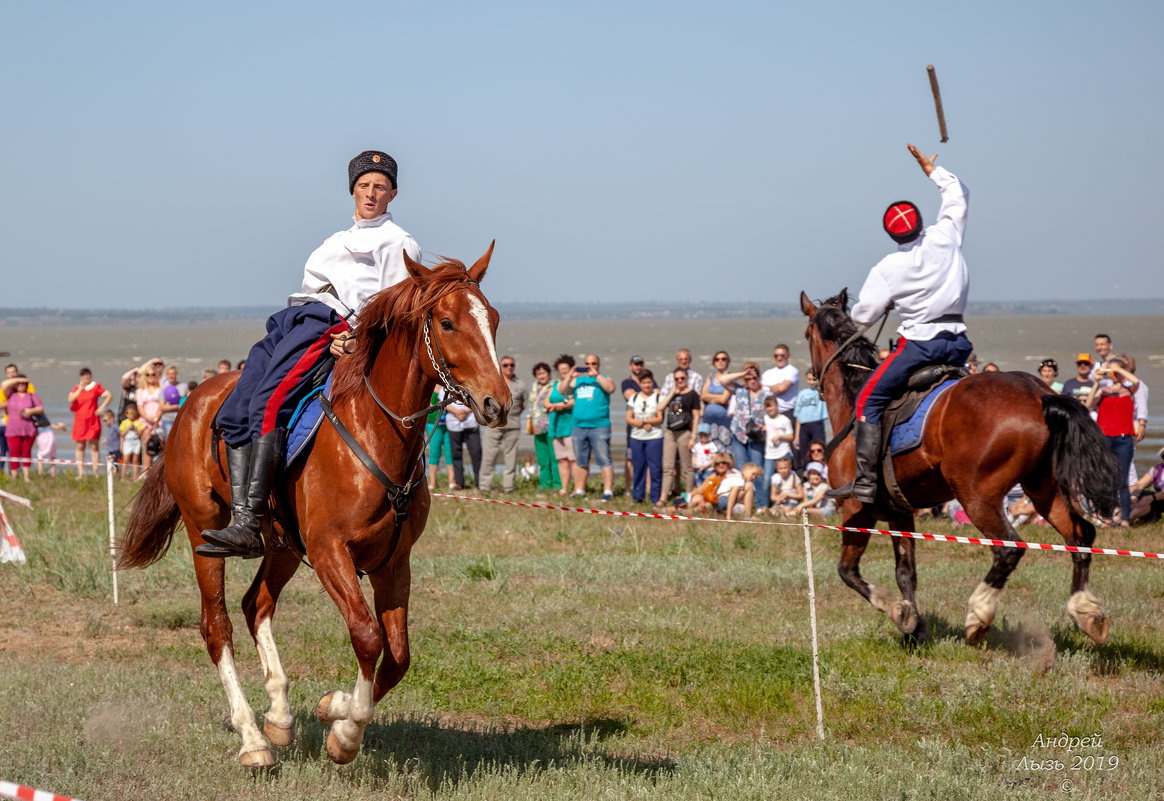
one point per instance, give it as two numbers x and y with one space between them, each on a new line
357 263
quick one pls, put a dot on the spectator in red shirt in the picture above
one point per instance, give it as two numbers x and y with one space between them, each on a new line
1115 408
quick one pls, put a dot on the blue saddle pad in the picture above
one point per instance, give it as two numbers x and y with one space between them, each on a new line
908 434
305 422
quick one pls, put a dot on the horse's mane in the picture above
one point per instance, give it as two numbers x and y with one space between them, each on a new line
396 311
834 324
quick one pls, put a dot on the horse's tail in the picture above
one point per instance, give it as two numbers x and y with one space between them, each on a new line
1080 458
152 521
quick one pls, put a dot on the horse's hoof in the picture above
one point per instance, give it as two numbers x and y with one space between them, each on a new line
905 616
259 758
278 735
1089 616
337 752
1097 628
976 634
323 711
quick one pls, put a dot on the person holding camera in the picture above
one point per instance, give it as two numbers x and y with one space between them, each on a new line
591 391
682 405
746 410
1112 398
644 414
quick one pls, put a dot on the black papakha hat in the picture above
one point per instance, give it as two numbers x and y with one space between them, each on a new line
371 161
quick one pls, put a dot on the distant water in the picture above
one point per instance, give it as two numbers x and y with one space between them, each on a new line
51 354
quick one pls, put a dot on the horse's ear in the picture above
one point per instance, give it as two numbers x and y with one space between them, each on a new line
417 270
806 305
477 271
843 298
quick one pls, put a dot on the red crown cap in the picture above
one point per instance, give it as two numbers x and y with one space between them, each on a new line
901 219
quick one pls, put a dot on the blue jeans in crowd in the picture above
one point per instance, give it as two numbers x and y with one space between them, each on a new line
745 452
646 455
1124 448
592 439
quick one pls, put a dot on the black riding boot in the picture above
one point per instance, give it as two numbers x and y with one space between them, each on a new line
244 537
863 487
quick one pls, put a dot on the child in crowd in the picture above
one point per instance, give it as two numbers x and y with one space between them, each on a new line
132 429
46 444
110 436
529 470
785 490
815 502
737 491
702 450
810 414
777 442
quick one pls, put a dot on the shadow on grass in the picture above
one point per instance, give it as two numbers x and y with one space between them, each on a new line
442 754
1113 658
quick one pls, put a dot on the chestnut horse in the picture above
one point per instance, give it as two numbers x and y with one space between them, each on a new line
985 434
435 326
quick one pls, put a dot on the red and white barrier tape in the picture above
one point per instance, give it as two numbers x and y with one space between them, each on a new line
36 460
913 535
10 548
22 793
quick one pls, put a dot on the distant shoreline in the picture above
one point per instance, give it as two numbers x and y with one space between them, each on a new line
573 311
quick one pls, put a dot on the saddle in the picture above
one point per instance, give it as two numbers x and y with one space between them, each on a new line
301 430
903 424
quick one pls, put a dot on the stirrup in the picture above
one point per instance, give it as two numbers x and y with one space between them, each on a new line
222 552
237 539
840 493
847 491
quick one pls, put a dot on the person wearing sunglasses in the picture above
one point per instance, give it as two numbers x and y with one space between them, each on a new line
591 391
809 414
503 441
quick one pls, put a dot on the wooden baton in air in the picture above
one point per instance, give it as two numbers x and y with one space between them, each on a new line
937 101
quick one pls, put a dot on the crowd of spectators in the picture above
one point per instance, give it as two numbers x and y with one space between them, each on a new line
743 441
132 433
679 425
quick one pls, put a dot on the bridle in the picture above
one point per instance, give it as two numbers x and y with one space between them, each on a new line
399 495
839 436
861 329
454 392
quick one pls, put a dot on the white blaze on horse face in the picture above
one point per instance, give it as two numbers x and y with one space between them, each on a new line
481 315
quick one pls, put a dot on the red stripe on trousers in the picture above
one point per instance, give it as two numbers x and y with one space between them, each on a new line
295 375
867 390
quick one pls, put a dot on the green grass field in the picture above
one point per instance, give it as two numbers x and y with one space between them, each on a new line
561 656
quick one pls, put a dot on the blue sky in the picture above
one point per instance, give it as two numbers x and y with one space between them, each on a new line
160 155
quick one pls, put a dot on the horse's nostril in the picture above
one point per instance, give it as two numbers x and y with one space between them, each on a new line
491 408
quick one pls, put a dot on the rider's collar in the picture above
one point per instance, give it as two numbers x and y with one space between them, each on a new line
372 223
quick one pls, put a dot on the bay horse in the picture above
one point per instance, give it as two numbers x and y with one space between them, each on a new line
984 435
434 326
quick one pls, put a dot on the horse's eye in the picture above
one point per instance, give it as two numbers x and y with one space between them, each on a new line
446 325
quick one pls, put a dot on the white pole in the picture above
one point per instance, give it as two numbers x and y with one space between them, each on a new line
812 620
113 525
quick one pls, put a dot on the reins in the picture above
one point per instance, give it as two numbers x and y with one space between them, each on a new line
856 335
401 495
839 436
